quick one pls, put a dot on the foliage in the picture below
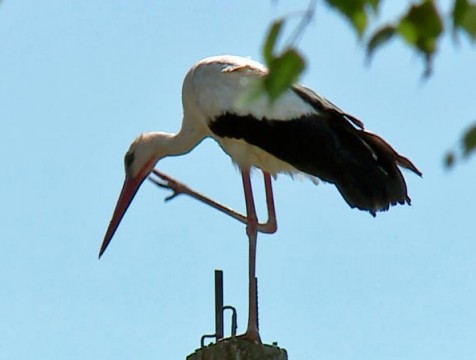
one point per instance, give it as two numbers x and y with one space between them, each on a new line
288 64
467 146
464 17
357 12
421 27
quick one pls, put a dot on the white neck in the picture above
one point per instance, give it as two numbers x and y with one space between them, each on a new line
177 144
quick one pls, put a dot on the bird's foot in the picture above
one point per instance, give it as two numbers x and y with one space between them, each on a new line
251 336
167 182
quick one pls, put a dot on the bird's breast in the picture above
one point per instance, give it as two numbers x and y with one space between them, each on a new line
246 155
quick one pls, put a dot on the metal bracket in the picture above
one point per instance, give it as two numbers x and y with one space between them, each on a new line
219 310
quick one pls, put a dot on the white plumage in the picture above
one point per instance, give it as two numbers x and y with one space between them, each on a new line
230 84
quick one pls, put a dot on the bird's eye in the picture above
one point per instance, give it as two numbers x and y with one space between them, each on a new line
128 160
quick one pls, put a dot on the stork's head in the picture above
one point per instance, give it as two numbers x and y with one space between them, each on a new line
145 151
142 155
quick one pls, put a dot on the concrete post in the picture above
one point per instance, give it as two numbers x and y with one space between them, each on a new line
238 349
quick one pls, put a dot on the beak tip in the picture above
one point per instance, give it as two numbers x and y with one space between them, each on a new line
101 251
129 190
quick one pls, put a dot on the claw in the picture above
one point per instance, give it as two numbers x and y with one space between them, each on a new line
170 197
165 185
157 182
167 182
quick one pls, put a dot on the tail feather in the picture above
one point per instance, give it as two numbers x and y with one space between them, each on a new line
401 160
378 184
362 165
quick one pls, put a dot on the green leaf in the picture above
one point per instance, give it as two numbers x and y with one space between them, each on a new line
469 141
271 38
459 8
380 37
359 20
468 145
356 11
464 17
449 159
421 28
374 4
284 71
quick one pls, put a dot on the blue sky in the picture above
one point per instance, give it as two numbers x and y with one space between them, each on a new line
79 80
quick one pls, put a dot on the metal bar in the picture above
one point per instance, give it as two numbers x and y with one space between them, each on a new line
218 304
234 322
257 305
202 339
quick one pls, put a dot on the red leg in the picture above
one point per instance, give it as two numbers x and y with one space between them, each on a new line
271 225
252 332
252 229
179 188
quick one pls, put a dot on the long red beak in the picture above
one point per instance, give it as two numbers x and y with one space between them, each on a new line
129 190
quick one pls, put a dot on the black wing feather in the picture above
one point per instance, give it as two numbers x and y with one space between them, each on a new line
330 145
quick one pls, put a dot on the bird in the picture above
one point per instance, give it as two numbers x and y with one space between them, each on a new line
300 132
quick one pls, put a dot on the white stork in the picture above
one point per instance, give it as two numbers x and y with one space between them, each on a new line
300 132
